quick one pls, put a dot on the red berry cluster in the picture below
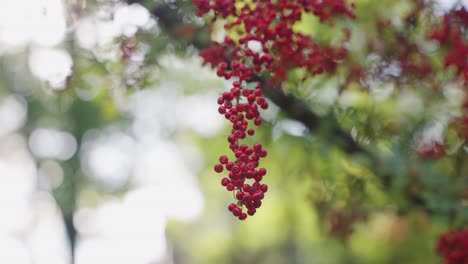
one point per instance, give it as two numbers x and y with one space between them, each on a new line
268 24
450 33
247 158
431 150
453 247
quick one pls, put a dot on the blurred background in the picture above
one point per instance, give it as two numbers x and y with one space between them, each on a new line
109 130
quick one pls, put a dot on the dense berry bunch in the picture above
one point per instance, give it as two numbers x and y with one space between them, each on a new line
269 23
453 247
266 46
452 33
431 150
241 107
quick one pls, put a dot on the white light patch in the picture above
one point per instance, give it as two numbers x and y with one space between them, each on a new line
448 4
14 22
86 33
109 158
51 143
270 114
326 95
48 28
14 251
38 21
17 183
254 45
170 185
12 114
126 233
381 91
200 114
349 98
433 133
410 103
51 65
292 127
129 18
48 225
94 32
125 250
150 108
182 201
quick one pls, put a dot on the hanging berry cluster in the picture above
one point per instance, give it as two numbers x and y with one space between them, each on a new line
247 158
453 246
266 47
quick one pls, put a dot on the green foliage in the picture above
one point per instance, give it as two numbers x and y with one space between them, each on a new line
325 204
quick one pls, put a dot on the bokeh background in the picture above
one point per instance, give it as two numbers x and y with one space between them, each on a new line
109 130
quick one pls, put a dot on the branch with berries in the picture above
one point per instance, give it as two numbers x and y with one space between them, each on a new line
256 57
265 48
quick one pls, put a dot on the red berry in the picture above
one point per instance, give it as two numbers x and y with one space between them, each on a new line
233 146
222 109
258 178
224 181
235 92
231 207
243 216
257 92
223 159
229 166
257 203
231 139
249 151
227 96
257 121
251 211
223 65
246 199
257 147
262 171
236 211
218 168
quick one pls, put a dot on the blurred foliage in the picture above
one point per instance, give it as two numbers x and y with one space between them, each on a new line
324 205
